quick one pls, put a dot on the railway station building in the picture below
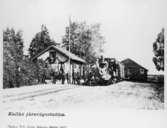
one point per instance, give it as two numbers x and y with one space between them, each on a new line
58 58
134 71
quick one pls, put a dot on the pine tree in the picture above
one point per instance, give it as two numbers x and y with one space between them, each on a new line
41 41
12 57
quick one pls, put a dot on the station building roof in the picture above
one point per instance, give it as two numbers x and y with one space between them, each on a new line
64 52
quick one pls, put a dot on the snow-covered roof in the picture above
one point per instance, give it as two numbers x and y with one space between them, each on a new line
62 51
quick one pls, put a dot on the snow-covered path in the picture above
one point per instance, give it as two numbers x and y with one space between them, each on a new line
125 94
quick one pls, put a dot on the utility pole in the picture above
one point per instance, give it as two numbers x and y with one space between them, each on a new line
70 73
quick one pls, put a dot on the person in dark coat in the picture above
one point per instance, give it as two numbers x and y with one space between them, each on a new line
62 74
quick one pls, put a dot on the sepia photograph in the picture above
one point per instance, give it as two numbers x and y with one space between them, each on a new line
81 54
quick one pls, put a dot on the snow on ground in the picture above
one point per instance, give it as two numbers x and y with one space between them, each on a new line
128 95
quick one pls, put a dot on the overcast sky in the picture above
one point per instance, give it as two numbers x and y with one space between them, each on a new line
129 26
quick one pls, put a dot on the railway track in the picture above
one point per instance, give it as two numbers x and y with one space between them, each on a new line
34 93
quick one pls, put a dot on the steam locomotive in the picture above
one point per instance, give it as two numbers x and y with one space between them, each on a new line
105 71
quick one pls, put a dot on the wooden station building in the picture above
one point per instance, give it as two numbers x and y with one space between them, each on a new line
57 57
134 71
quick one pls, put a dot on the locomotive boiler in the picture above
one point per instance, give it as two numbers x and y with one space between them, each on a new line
105 71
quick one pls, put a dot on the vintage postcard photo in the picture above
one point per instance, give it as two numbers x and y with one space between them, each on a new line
83 54
83 63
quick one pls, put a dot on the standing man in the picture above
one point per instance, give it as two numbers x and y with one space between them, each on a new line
62 74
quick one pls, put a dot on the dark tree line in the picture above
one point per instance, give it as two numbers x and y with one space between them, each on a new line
17 68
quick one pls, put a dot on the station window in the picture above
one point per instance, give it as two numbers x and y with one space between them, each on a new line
141 71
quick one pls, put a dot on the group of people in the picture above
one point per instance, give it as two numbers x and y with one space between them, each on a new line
65 77
59 74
